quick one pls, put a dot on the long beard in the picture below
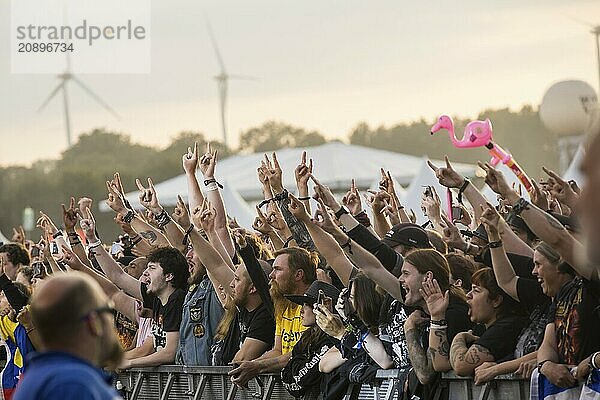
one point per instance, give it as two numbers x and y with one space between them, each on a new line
280 303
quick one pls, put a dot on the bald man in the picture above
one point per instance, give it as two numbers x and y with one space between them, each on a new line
75 323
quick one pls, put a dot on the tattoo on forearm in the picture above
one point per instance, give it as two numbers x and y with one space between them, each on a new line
419 358
553 222
149 235
444 348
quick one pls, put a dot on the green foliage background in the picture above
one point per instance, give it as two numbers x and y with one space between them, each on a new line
84 168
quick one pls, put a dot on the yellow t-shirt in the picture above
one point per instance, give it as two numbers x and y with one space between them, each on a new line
289 327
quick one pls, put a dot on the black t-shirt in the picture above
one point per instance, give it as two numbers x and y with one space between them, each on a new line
257 324
165 318
501 337
575 315
537 305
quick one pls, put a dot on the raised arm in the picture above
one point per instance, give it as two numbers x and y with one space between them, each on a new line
190 163
302 174
113 271
208 163
70 217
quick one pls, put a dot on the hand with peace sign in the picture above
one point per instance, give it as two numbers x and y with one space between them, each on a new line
190 160
303 171
148 197
70 215
208 162
18 235
447 176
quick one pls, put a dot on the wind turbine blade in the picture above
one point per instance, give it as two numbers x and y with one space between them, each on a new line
95 97
215 47
244 77
54 92
581 21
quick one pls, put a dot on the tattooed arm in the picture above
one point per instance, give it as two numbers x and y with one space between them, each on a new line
465 359
419 358
439 349
151 235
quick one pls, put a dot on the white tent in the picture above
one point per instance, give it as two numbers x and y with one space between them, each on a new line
3 238
573 172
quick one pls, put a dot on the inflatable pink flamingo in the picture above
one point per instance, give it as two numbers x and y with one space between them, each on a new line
479 134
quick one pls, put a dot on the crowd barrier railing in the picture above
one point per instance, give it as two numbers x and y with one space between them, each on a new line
180 382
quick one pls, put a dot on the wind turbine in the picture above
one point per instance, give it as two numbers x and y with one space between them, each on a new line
596 32
64 78
223 82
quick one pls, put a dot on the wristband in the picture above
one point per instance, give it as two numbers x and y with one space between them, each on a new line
94 244
592 360
135 241
521 205
304 198
213 180
363 219
441 322
438 327
281 196
348 244
287 242
495 245
212 187
127 218
266 201
541 364
163 218
343 210
57 234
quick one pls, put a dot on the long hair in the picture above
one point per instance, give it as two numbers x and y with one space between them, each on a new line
227 319
311 338
461 268
432 260
367 300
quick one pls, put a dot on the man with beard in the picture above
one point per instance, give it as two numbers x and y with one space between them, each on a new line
74 320
294 270
202 311
164 294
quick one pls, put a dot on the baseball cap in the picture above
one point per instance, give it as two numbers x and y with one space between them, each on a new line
312 293
407 234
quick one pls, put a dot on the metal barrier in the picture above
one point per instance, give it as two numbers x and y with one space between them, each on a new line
503 387
179 382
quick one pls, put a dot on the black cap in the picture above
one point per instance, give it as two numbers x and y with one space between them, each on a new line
311 295
407 234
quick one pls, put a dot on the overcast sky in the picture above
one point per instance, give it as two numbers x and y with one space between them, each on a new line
322 65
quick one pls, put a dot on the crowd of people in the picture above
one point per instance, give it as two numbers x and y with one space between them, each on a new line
318 291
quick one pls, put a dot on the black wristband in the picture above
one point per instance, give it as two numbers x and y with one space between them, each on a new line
348 244
462 189
494 245
521 205
128 217
281 196
266 201
304 198
163 218
209 181
441 322
343 210
57 234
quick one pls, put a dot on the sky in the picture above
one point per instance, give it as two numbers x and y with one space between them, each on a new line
320 64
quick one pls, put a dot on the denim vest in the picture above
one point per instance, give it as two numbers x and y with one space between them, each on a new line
202 312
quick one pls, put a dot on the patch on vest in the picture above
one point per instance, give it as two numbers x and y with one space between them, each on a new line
196 313
198 330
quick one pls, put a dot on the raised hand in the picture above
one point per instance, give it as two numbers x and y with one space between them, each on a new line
539 197
352 200
303 171
71 259
451 235
208 162
437 302
378 200
125 227
204 216
190 160
45 223
325 194
18 235
114 200
447 176
490 220
323 219
262 173
83 203
495 179
274 173
181 214
239 236
297 209
329 323
560 189
70 215
386 183
261 224
148 197
275 219
432 206
88 225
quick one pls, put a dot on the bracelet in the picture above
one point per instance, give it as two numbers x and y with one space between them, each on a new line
212 187
304 198
280 196
30 330
343 210
127 218
136 240
494 245
438 327
441 322
593 360
521 205
57 234
265 201
287 241
163 218
94 244
363 219
462 189
213 180
541 364
186 236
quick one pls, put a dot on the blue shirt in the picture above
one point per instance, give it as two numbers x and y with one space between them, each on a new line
202 312
60 376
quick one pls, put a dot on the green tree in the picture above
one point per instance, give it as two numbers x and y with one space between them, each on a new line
274 135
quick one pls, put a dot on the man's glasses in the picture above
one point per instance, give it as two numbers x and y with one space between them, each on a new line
108 308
